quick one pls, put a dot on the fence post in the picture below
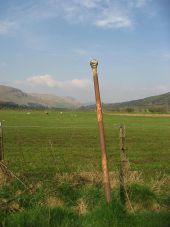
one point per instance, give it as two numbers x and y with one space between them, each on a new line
1 142
124 164
123 155
106 180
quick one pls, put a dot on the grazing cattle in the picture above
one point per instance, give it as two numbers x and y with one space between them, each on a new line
28 113
46 112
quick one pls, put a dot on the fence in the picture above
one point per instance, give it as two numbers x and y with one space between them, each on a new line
70 141
65 147
73 145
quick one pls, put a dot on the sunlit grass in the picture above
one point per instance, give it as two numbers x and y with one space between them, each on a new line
38 147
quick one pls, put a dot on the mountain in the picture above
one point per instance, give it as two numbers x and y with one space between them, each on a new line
14 97
56 101
158 103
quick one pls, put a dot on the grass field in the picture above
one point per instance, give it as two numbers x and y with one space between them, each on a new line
40 146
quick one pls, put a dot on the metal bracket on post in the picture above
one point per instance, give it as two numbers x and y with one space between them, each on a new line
106 179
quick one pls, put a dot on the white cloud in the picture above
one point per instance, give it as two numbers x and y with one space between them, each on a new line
105 14
90 3
48 81
80 83
6 26
113 21
100 13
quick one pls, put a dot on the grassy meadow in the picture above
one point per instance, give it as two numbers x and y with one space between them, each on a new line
45 151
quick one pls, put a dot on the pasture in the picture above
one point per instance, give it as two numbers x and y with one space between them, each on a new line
34 142
38 147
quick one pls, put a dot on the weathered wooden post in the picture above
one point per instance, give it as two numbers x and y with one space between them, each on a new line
124 164
106 180
123 155
1 142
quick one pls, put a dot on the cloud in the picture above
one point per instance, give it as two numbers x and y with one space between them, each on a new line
103 14
47 80
99 13
80 83
45 83
6 26
90 4
112 21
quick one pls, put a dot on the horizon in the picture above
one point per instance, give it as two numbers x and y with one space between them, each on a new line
83 103
46 47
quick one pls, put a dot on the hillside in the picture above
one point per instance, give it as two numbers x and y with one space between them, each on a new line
158 103
56 101
14 97
10 96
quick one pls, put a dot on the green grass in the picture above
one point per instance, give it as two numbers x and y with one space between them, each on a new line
39 146
32 211
39 142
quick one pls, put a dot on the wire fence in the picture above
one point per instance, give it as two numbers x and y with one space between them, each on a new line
46 149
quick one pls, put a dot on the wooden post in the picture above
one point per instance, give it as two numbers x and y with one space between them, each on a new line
122 186
1 142
106 180
123 155
124 165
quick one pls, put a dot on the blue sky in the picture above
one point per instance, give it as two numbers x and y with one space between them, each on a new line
46 46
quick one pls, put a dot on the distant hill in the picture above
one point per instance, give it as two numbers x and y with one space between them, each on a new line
13 97
158 103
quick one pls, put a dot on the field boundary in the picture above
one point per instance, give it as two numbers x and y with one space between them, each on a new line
138 115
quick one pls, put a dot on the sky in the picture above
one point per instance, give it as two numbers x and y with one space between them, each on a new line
46 47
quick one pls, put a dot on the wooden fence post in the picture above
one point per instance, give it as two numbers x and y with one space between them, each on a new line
123 155
1 142
124 164
106 179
